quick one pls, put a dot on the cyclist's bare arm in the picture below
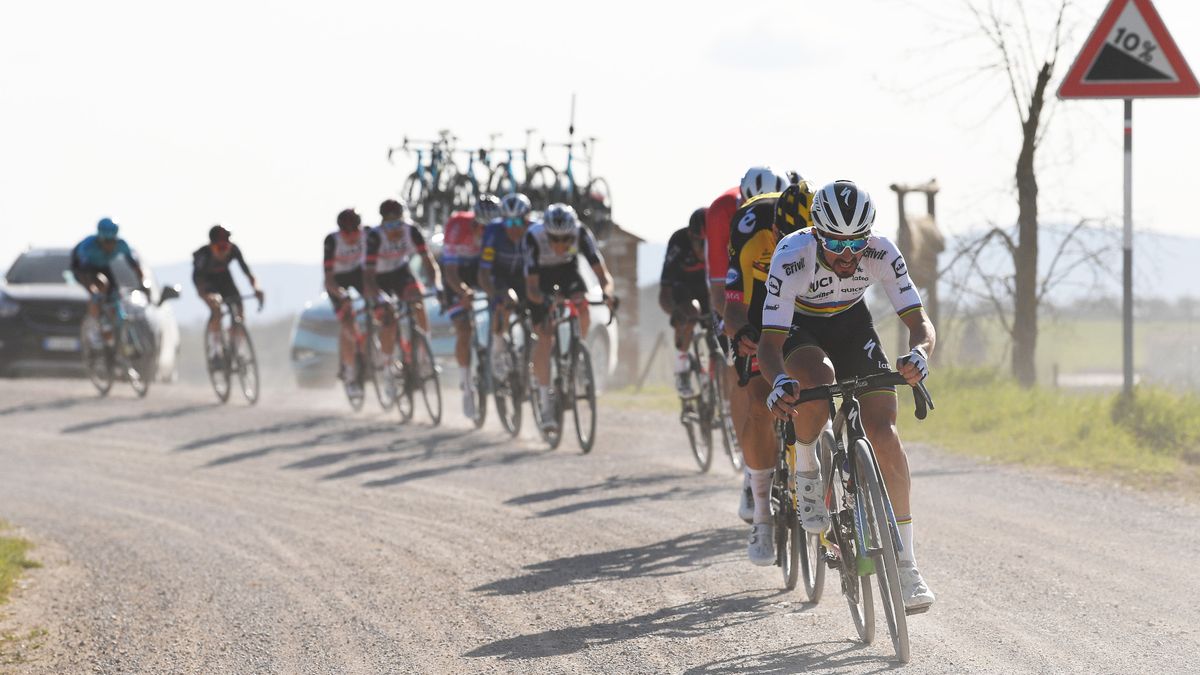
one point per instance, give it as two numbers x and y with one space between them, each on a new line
450 274
331 286
716 297
920 331
434 272
606 281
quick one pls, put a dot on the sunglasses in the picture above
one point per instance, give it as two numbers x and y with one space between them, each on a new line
514 222
838 246
561 238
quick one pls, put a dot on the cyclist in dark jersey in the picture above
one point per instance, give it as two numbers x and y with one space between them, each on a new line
215 285
683 281
502 270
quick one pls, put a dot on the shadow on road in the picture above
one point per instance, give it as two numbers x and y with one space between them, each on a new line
797 659
685 553
56 404
347 435
282 427
610 483
700 618
474 463
607 486
144 417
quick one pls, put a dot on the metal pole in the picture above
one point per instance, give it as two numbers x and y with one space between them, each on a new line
1128 250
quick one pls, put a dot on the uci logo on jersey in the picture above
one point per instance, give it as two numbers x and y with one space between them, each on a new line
746 224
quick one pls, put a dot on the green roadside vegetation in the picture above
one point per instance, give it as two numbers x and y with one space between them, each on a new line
12 561
1152 440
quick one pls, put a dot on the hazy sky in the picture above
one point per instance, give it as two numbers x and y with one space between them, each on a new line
270 117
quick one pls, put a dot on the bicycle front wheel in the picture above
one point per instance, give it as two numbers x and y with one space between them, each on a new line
501 182
583 398
218 369
246 364
415 193
136 351
97 357
481 381
843 545
542 186
425 376
880 527
508 394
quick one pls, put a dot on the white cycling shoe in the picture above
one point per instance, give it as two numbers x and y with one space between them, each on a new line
746 502
814 516
917 596
761 549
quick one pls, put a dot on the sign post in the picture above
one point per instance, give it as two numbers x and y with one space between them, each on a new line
1129 55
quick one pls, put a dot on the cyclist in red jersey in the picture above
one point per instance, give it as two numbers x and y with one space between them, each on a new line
716 245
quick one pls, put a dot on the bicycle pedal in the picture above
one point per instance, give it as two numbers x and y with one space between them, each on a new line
913 611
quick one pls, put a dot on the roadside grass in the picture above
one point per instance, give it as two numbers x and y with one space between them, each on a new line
12 561
1153 436
16 648
1152 440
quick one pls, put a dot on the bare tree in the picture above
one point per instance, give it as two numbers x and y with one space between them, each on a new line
1028 68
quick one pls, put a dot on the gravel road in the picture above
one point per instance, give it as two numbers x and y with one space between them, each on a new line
180 536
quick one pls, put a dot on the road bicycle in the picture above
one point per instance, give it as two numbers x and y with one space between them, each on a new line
707 411
412 366
572 380
369 362
232 355
863 538
480 362
797 551
126 347
509 387
592 198
465 186
539 179
427 190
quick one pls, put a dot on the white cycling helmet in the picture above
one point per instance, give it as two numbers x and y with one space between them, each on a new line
515 205
487 208
842 208
760 180
560 219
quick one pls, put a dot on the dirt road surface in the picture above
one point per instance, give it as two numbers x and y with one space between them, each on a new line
182 536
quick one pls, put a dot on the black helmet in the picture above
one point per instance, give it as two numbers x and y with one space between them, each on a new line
217 233
349 220
696 222
392 208
792 208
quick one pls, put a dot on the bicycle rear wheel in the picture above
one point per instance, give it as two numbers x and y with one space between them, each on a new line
462 193
246 365
425 376
415 191
880 524
377 369
788 533
501 182
218 370
97 358
542 186
813 563
583 398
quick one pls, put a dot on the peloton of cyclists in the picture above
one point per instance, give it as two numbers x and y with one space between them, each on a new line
215 285
462 244
815 326
91 265
682 282
502 269
552 249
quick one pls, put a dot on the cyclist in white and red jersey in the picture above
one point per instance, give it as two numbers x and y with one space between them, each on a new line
345 252
815 327
462 244
391 248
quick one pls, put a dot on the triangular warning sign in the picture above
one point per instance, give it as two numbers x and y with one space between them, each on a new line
1129 54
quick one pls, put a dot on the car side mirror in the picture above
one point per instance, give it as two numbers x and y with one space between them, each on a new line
169 293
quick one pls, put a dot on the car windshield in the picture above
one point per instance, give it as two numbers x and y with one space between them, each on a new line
40 268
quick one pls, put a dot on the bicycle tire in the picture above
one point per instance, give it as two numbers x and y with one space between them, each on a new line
701 410
97 360
813 565
462 193
542 186
247 366
595 207
405 405
583 379
843 540
787 548
426 377
480 381
729 440
551 437
138 375
883 548
356 400
501 181
415 190
507 394
218 377
378 373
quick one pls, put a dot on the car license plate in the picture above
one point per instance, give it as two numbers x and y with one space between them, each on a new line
61 344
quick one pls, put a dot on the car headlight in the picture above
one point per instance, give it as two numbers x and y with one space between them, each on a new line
8 307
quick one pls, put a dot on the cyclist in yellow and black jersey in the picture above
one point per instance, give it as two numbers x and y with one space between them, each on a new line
756 228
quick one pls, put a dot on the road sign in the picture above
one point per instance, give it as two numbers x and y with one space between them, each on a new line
1129 54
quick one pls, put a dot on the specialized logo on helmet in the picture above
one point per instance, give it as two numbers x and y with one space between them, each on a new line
846 192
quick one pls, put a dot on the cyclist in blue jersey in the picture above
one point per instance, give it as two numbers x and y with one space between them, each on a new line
502 268
91 265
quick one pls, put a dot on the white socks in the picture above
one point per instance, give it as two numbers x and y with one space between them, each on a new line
907 554
806 459
682 362
760 485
